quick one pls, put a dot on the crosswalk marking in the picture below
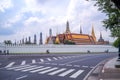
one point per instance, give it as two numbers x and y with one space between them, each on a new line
55 58
23 63
56 72
10 64
32 68
24 68
41 60
75 75
72 73
48 59
43 72
40 69
33 61
17 67
66 73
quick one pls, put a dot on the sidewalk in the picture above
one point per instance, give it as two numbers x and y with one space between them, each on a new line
106 71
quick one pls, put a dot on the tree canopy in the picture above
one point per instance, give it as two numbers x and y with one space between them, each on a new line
111 10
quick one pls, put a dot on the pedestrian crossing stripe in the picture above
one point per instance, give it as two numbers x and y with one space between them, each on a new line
10 64
41 60
61 72
23 63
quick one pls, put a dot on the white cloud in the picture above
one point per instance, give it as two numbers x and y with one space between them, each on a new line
12 20
5 4
55 14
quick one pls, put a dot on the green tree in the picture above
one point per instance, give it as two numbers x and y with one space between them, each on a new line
112 10
113 21
116 43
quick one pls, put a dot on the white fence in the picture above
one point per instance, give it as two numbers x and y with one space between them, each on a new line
60 48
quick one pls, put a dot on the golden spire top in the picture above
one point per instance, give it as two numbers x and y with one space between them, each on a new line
67 27
93 33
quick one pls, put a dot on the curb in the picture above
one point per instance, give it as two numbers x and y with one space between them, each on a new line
96 72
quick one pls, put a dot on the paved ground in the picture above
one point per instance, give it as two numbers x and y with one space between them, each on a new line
49 66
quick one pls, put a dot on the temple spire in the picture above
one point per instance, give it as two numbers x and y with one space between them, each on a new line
100 35
67 27
80 30
93 33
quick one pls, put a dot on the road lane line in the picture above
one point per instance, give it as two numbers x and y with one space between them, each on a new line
39 69
33 61
24 68
85 66
76 65
41 60
21 77
17 67
75 75
56 72
55 58
77 60
66 72
46 71
10 64
32 68
49 59
23 63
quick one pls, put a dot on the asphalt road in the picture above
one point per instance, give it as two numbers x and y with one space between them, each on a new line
49 66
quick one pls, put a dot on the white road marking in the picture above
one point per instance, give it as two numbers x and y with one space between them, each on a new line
21 77
43 72
55 58
32 68
53 64
41 60
49 59
40 69
33 61
24 68
10 64
68 65
85 66
23 63
77 60
76 65
56 72
75 75
17 67
66 73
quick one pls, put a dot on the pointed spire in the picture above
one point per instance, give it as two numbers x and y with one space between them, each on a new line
67 27
100 35
50 32
93 33
101 39
80 30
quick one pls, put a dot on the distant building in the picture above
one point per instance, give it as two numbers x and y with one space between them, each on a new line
75 38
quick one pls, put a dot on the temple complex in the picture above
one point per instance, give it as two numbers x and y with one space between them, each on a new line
75 38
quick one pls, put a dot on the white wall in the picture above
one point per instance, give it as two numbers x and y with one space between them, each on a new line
59 48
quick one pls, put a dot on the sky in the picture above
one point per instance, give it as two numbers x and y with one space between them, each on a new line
23 18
